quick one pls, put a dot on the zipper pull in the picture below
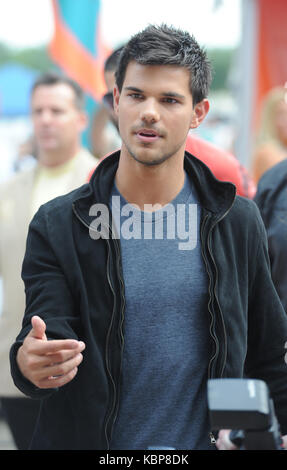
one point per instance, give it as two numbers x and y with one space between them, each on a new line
212 438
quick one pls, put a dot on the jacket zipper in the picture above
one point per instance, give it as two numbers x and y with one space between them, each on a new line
213 334
115 406
211 329
119 271
220 311
215 284
107 353
108 333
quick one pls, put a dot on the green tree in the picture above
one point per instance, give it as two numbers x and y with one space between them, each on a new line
222 61
35 58
5 54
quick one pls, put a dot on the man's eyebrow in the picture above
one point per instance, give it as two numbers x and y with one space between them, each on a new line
169 94
132 88
173 94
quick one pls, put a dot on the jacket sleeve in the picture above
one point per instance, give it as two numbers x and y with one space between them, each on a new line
48 295
267 329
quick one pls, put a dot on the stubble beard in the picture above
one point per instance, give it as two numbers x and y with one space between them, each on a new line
154 162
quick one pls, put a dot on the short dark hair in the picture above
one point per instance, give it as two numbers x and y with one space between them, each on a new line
54 78
166 45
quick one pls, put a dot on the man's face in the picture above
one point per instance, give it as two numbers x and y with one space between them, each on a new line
57 121
110 82
155 112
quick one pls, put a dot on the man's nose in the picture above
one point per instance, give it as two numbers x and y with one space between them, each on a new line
150 112
46 117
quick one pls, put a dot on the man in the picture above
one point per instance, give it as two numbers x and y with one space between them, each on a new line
104 135
223 164
272 202
128 316
58 118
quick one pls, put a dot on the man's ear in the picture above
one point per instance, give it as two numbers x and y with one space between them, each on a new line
200 110
83 121
116 99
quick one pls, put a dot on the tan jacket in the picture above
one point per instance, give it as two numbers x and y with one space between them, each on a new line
15 200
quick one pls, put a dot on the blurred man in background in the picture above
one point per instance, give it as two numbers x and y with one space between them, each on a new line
104 135
272 202
58 117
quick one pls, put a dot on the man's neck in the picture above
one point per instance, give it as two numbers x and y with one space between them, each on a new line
149 185
54 159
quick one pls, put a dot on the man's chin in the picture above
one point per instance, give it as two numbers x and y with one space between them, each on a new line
149 160
48 146
151 163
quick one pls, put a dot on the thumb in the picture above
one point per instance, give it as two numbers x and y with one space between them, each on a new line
38 328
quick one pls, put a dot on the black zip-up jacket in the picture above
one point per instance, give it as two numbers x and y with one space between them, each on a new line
271 198
75 284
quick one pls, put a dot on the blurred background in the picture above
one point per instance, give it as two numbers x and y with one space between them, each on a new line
246 41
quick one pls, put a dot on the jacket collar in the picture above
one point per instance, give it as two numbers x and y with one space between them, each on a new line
215 196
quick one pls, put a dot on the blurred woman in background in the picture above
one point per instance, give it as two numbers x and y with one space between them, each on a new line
271 143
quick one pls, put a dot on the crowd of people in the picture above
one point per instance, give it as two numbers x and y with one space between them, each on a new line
107 337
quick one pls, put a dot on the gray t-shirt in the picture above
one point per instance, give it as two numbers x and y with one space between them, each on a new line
163 399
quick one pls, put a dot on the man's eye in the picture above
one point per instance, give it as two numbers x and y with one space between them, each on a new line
136 96
170 100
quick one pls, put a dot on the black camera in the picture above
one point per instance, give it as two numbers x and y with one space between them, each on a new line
245 407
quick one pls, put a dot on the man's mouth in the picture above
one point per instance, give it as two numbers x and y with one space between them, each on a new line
147 135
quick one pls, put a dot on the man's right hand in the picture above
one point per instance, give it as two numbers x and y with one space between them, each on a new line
48 364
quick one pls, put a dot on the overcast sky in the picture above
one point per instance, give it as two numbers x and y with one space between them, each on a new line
25 23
